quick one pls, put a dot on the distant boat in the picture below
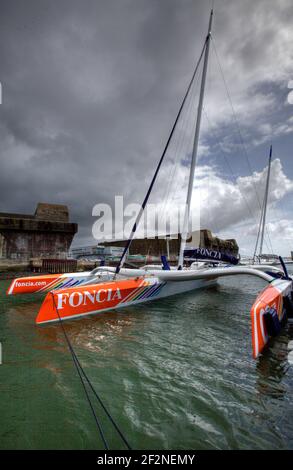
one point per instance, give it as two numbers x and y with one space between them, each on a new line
260 257
260 260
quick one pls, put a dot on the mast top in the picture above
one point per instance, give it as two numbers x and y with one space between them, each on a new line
210 23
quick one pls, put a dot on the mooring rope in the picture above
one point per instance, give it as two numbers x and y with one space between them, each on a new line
81 372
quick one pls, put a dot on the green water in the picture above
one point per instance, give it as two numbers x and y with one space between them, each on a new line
175 373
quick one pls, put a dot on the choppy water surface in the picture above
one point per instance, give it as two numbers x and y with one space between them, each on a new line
175 373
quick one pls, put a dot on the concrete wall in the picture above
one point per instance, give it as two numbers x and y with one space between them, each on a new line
158 246
44 234
2 246
36 244
52 212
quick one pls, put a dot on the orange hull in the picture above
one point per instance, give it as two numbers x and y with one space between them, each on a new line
32 284
269 301
45 283
86 300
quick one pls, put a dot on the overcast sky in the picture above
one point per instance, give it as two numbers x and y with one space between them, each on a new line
91 88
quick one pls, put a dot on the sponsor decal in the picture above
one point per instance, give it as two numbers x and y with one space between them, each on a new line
29 283
205 253
209 253
76 299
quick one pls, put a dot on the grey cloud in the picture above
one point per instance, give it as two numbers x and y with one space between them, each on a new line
91 88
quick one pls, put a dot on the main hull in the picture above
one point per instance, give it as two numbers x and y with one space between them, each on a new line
68 304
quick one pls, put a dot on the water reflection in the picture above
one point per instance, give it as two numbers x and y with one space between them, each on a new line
272 366
182 363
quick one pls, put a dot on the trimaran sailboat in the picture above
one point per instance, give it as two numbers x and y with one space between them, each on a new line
256 261
262 223
76 295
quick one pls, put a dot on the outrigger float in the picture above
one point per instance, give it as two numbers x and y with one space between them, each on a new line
77 295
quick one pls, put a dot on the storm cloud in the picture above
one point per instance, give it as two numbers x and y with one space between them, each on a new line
91 89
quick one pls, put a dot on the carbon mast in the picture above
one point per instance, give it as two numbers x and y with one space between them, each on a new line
145 201
184 234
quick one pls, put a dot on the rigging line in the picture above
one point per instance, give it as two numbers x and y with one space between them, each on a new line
190 128
181 143
258 232
177 142
264 226
266 230
91 405
126 248
184 140
267 234
231 171
239 131
178 147
269 239
228 163
81 370
81 379
235 117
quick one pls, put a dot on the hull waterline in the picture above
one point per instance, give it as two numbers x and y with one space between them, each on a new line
68 304
92 294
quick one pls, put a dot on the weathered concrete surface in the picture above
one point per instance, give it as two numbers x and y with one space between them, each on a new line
158 246
207 240
46 233
52 212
